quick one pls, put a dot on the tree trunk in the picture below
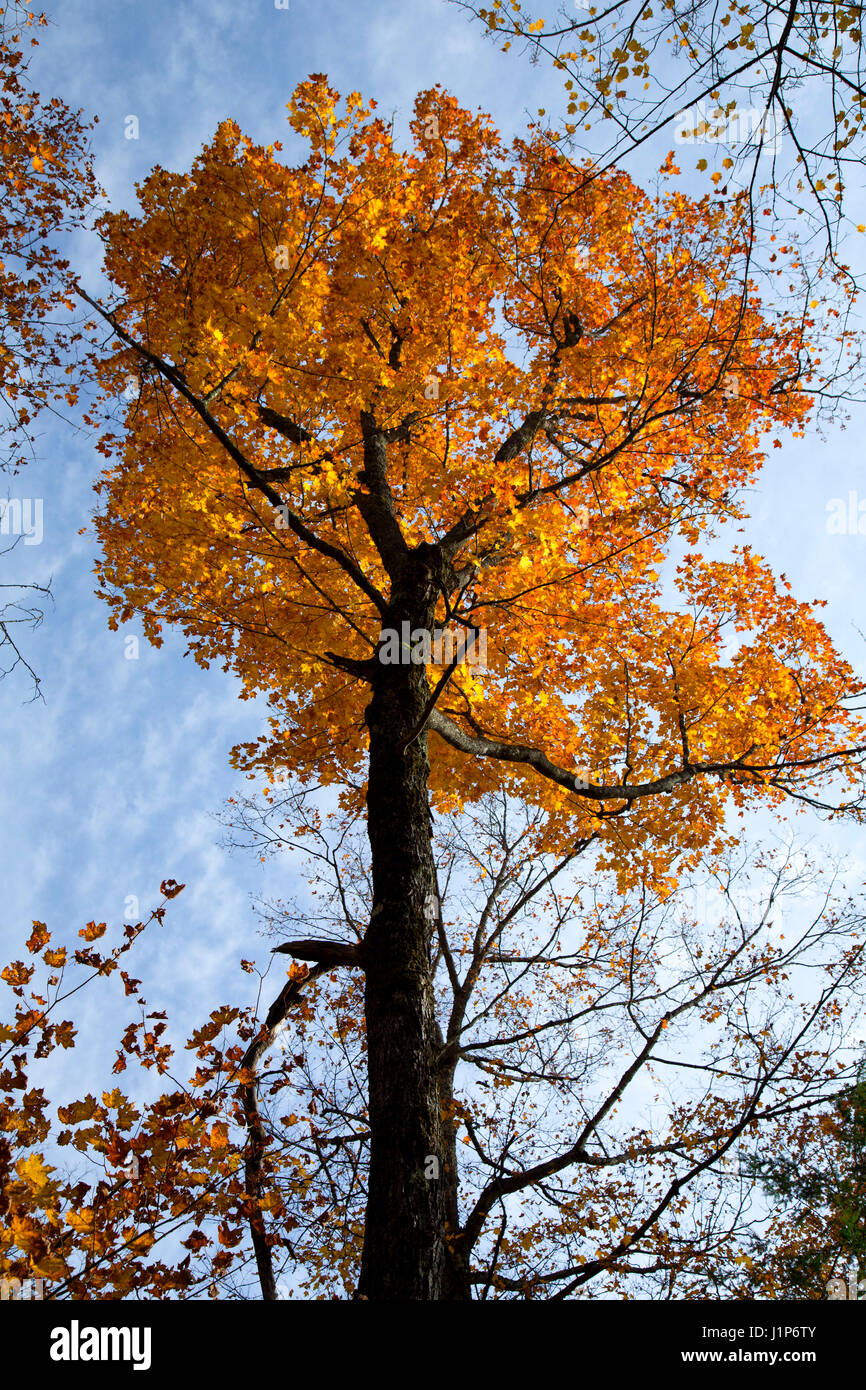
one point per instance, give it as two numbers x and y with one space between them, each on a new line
404 1240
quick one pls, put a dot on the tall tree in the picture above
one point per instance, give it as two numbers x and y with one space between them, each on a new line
381 393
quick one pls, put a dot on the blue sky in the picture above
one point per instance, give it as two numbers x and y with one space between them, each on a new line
110 785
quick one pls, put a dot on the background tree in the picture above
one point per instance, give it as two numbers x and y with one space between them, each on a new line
765 101
46 187
116 1196
382 392
780 81
815 1174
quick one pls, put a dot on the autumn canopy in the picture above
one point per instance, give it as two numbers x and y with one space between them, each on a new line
562 376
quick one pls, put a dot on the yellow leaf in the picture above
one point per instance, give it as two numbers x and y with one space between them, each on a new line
34 1170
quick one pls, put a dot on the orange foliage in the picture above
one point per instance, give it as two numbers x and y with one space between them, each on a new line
46 185
170 1169
569 378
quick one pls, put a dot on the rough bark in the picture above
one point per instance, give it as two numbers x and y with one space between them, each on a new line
405 1237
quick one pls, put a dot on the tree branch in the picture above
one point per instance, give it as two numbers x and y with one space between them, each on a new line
250 472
